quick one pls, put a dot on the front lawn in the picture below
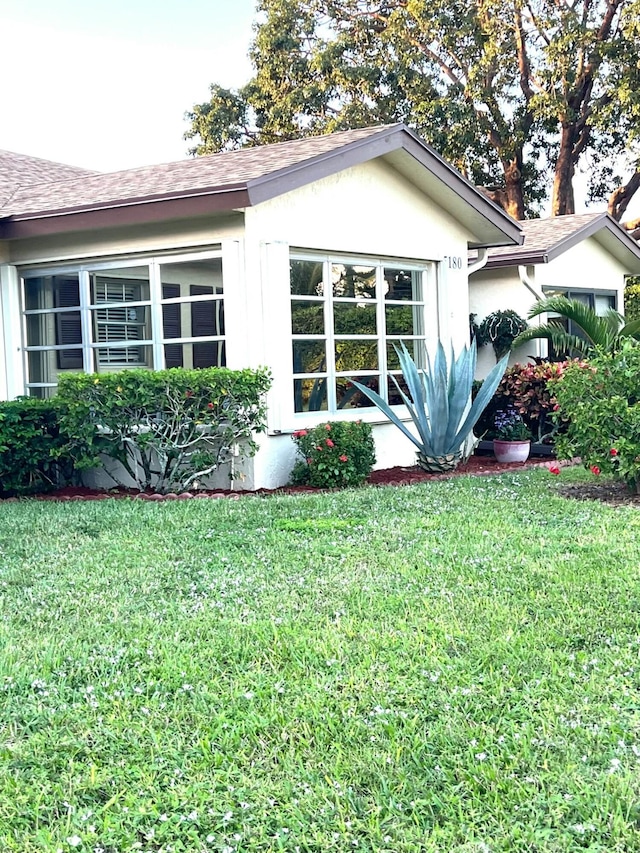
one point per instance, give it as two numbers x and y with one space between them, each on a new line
447 667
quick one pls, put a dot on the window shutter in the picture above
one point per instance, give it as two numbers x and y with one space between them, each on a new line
172 326
207 318
68 326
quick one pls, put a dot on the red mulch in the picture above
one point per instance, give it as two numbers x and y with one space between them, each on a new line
398 476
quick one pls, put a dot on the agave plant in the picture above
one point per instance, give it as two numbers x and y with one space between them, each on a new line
595 332
440 403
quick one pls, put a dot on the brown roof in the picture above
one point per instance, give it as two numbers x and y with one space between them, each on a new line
235 180
214 172
21 170
545 239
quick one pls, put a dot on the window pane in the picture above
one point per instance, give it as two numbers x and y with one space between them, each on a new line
402 319
52 291
402 284
354 318
307 318
42 366
118 358
309 357
604 303
349 397
310 395
353 281
126 285
205 354
205 275
306 278
416 351
394 397
356 355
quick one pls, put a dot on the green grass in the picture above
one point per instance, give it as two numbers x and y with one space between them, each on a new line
446 667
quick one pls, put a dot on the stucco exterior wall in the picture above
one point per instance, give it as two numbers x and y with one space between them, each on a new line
366 210
586 266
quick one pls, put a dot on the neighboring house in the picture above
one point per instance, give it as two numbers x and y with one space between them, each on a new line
582 256
311 257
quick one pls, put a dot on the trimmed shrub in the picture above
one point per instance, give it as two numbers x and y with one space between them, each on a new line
600 404
168 429
340 453
31 442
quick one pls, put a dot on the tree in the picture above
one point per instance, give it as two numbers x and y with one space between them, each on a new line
585 330
510 91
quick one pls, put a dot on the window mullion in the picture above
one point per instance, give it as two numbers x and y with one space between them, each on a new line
84 287
155 295
330 345
382 330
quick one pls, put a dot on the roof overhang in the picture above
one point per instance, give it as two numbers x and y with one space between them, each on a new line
604 230
488 224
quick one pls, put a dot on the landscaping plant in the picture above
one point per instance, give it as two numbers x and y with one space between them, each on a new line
509 426
600 404
595 332
31 442
440 403
340 453
169 429
500 329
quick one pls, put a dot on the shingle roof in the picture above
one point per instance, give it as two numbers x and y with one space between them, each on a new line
227 170
21 170
545 237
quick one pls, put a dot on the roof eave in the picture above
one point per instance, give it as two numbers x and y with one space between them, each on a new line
132 212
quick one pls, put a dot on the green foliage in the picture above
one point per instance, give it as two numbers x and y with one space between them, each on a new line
502 89
169 429
632 298
439 402
601 402
525 388
500 329
31 441
510 426
594 332
335 454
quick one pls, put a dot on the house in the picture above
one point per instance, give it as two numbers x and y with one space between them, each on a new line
311 257
583 256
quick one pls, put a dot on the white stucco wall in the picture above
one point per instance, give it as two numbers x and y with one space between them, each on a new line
367 210
586 266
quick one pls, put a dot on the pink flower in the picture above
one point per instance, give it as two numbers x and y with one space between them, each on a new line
309 460
556 408
327 427
613 452
209 405
595 470
300 433
343 458
318 447
330 443
554 469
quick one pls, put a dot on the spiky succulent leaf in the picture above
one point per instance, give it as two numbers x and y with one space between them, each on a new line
387 410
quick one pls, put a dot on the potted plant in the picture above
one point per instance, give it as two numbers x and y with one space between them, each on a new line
512 442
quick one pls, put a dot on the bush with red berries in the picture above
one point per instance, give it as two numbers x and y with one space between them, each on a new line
335 454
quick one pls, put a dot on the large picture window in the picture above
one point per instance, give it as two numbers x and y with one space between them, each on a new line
165 312
346 316
598 301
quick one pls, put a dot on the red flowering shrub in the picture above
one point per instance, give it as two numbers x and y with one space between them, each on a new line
345 459
600 404
525 388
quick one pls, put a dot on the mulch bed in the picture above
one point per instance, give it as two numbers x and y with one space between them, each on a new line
606 491
398 476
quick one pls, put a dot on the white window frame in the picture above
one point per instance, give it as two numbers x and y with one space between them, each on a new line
88 309
427 306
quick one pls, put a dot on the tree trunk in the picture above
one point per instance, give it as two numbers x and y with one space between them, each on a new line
620 197
562 201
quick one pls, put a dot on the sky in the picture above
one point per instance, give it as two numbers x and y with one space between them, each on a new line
105 85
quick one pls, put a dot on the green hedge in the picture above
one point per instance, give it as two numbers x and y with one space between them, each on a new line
31 442
169 429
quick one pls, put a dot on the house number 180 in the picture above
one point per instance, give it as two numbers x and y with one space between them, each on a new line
454 262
